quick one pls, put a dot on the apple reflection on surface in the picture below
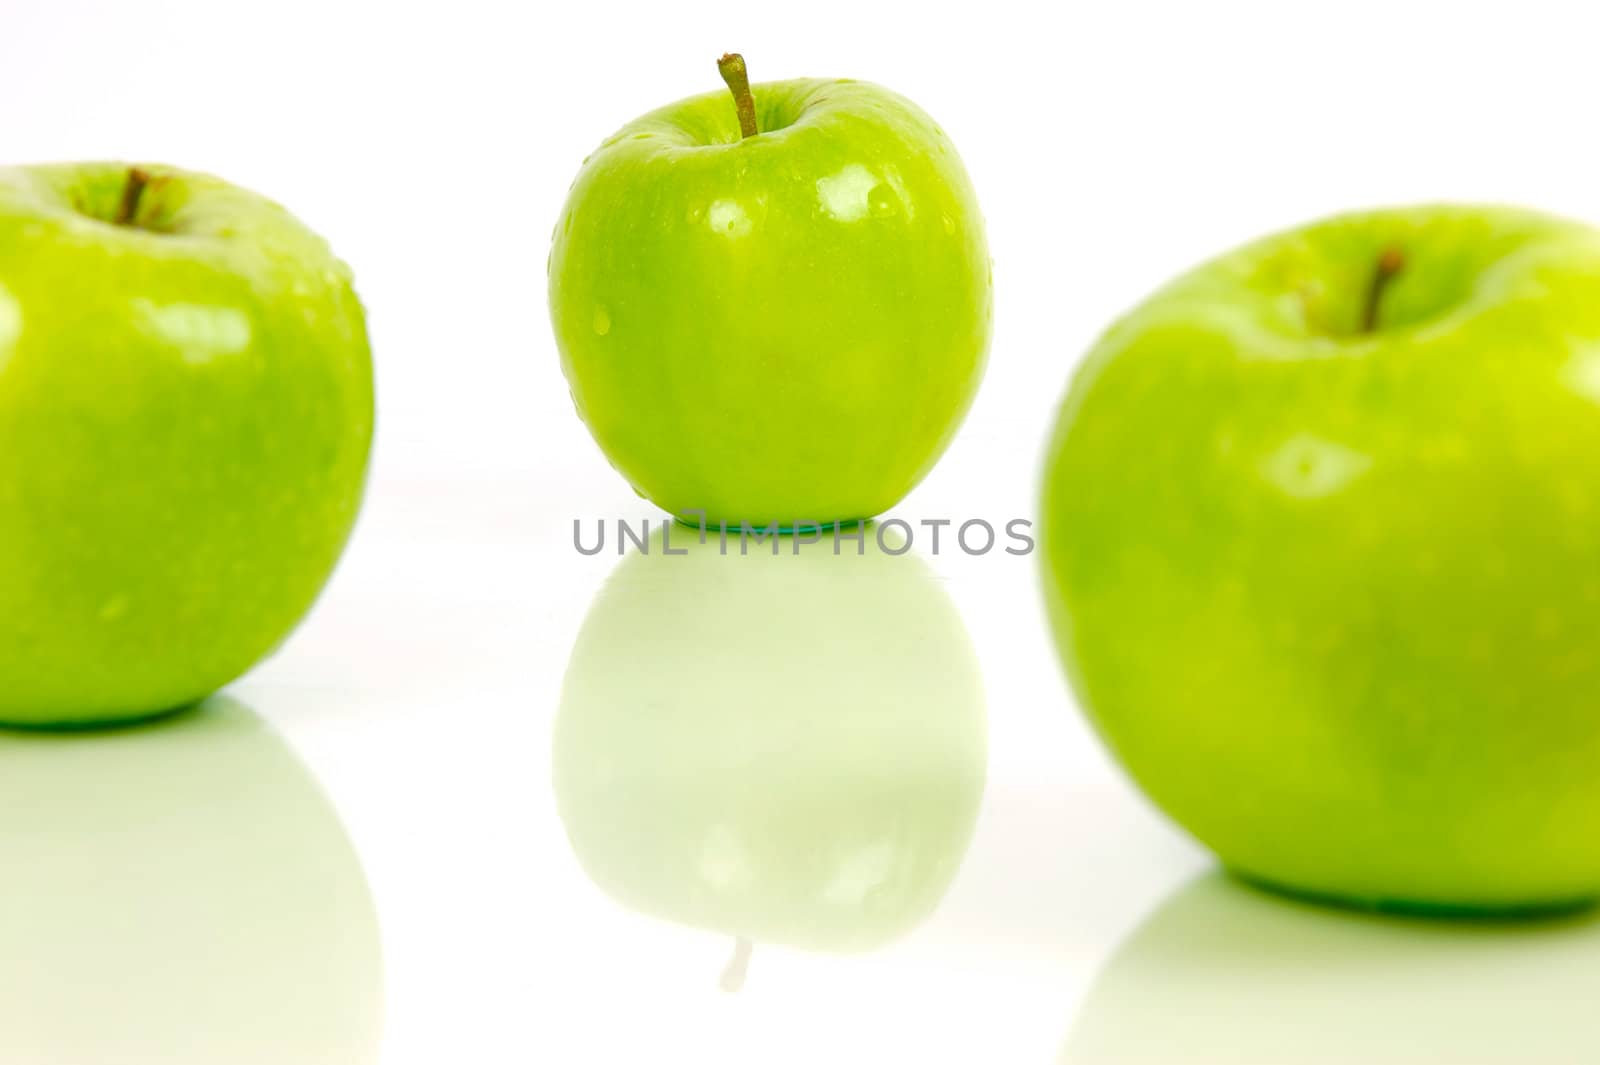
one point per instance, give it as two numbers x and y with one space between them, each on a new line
1225 973
785 749
179 893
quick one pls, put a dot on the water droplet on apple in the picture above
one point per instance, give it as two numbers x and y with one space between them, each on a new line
602 320
730 219
1310 467
881 201
949 226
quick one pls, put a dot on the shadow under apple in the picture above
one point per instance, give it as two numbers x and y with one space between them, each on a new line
179 892
786 749
1226 973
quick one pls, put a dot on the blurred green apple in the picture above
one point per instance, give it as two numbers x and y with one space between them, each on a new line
180 892
1323 556
185 418
802 766
1223 974
786 325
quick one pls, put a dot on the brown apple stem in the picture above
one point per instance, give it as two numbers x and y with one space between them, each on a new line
132 192
738 966
1390 263
738 79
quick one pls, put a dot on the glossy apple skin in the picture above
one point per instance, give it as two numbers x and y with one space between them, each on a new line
1333 598
788 750
788 327
185 418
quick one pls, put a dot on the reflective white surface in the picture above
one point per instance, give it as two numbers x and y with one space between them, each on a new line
180 891
1074 924
414 714
1225 974
929 865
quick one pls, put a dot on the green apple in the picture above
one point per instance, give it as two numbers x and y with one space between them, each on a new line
802 766
782 326
185 419
1222 974
1321 547
180 892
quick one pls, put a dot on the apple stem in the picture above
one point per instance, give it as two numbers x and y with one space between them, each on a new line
738 966
738 78
138 180
1390 263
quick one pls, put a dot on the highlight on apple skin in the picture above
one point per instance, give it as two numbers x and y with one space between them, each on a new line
186 414
1320 537
780 325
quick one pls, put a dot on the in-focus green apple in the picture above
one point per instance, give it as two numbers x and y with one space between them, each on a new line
803 769
1223 975
185 419
782 326
182 892
1323 556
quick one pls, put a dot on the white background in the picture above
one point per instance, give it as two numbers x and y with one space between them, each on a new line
1111 144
